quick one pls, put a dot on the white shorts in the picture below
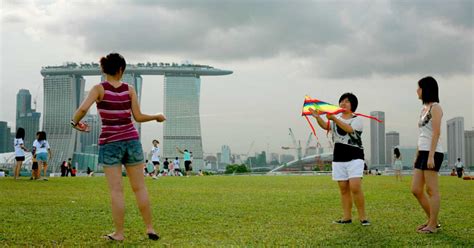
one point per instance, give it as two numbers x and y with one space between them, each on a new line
343 171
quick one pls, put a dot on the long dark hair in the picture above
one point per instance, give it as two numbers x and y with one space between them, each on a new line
20 133
396 152
429 90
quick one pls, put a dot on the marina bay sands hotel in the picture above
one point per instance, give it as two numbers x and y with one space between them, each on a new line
64 92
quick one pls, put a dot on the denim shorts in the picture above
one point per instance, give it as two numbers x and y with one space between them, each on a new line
127 152
42 156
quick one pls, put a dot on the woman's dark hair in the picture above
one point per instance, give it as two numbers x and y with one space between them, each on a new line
112 63
396 152
42 136
352 99
156 141
429 89
20 133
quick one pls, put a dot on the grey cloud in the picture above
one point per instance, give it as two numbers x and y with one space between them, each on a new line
344 39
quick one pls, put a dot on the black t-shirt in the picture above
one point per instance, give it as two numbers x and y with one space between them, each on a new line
165 164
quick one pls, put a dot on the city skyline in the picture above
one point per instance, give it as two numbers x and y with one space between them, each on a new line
279 52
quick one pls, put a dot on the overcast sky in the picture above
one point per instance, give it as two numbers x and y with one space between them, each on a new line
279 52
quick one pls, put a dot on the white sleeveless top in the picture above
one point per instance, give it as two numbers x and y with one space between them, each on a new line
425 126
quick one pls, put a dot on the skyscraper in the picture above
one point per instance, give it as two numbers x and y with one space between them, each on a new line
6 142
377 139
392 140
182 127
226 155
23 102
469 144
62 96
90 140
455 139
26 117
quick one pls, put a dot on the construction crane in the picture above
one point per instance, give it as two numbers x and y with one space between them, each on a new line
250 148
296 146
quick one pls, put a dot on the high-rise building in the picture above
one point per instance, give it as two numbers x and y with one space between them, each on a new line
64 88
392 140
23 102
226 155
62 96
285 158
6 141
183 126
455 140
90 140
377 139
469 145
26 117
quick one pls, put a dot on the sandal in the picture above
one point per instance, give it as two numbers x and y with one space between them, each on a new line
153 236
426 231
424 225
111 238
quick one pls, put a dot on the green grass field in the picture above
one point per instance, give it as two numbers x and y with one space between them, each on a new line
230 210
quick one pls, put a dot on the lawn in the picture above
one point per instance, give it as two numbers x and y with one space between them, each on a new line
230 211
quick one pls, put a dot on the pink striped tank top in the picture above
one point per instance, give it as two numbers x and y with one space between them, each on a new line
115 111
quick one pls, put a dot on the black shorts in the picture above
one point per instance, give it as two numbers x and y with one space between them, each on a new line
187 165
22 158
156 162
422 160
34 166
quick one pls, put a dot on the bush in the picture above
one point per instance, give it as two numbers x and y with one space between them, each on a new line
235 168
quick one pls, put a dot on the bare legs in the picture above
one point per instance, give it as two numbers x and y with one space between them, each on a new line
137 182
17 168
351 190
398 175
430 202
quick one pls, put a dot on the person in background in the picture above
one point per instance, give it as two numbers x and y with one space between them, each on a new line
42 151
20 150
459 167
397 164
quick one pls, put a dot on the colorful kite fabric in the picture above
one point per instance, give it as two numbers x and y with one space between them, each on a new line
324 108
320 106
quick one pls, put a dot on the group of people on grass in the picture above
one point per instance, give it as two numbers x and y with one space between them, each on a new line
41 152
119 145
169 168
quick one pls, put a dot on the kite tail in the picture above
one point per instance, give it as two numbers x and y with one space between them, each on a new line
314 131
311 125
368 116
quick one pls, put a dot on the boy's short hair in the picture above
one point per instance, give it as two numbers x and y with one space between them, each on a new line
352 99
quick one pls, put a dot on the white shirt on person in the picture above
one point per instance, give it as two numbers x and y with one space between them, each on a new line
458 164
41 146
176 163
19 152
425 126
155 151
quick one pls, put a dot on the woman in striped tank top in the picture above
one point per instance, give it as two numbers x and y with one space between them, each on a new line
119 142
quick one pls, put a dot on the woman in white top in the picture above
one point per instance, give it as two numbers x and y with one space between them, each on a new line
42 152
429 155
397 164
20 150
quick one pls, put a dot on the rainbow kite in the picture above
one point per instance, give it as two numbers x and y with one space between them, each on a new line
324 108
